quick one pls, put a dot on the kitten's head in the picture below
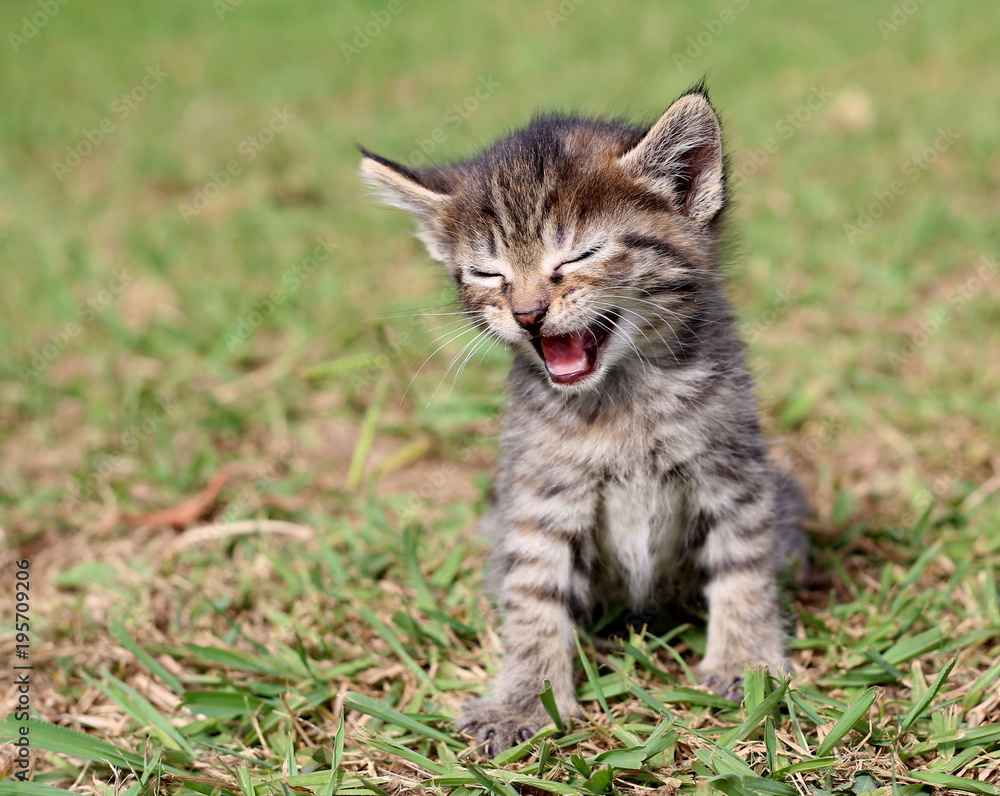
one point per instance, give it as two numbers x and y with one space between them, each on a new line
584 244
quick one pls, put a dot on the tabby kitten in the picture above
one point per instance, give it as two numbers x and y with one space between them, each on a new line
632 468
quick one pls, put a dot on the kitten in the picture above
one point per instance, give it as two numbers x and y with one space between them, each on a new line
632 467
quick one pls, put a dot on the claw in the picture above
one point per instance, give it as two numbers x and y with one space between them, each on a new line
497 727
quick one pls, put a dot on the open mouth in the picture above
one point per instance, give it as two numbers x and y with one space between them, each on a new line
571 358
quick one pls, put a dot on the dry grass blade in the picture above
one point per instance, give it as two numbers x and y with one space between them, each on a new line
214 532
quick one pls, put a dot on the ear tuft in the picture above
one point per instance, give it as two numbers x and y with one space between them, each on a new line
400 186
681 157
420 193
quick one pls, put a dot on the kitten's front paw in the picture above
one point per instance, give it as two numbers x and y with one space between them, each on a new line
498 727
728 685
727 680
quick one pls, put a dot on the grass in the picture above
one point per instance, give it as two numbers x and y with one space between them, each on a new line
208 290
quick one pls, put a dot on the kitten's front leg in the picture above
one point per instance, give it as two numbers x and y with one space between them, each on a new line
546 585
736 555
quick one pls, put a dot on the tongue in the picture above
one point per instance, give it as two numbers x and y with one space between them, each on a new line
567 353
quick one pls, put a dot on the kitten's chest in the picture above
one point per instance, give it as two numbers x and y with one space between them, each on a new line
639 536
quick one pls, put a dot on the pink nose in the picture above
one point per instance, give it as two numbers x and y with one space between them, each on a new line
531 319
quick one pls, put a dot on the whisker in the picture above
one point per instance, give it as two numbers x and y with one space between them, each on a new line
669 325
629 340
602 294
414 336
485 340
401 315
475 340
451 337
621 310
394 313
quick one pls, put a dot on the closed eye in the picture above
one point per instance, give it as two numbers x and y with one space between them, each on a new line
483 274
581 256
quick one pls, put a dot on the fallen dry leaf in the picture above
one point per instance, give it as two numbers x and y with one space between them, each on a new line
183 514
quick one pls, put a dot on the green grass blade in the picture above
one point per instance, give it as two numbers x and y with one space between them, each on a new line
367 437
636 690
425 600
549 703
731 785
600 781
961 784
755 718
338 743
921 705
754 687
140 709
881 661
225 704
913 646
770 744
384 744
232 659
65 741
647 662
372 707
816 764
592 677
629 759
846 722
9 787
923 561
969 736
145 658
397 646
245 781
978 688
723 762
692 697
660 739
489 783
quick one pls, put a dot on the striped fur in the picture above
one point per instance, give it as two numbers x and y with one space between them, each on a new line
641 477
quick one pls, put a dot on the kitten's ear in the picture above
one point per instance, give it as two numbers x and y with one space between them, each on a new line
420 193
681 156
